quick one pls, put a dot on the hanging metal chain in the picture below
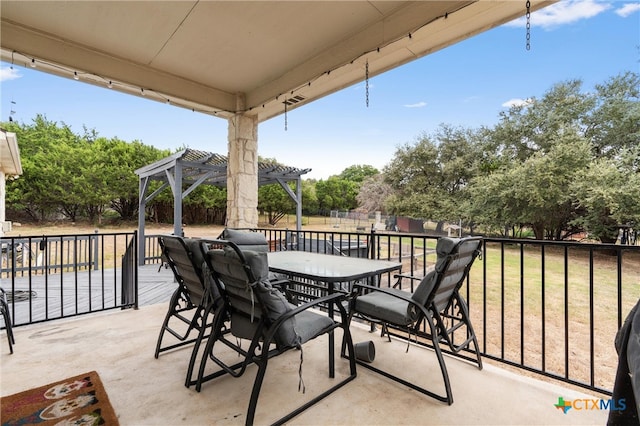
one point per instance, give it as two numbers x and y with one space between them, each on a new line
366 75
528 25
285 114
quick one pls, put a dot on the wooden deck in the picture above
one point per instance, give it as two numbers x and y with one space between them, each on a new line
68 294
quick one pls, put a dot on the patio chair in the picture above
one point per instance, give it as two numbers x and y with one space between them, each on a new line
256 241
6 316
436 303
261 314
195 299
246 240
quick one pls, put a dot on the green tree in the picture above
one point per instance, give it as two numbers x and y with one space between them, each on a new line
275 202
337 194
533 126
429 178
358 173
205 204
75 176
608 192
535 193
117 162
614 123
538 150
49 170
310 203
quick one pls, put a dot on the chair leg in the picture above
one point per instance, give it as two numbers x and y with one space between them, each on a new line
235 370
208 351
443 368
9 331
384 329
262 361
165 324
10 338
4 310
464 311
201 336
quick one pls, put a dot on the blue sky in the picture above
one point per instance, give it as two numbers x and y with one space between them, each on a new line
466 85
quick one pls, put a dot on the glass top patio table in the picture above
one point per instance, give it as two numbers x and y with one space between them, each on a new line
326 267
330 269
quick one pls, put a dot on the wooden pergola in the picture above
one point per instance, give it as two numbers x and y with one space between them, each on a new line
185 170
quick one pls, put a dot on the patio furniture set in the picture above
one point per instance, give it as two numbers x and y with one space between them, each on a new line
232 289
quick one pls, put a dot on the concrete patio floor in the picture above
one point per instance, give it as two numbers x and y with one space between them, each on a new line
119 345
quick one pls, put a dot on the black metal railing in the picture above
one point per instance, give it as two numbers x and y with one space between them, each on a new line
27 255
548 307
59 276
554 307
129 292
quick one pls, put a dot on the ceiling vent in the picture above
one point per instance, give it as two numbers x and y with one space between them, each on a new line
296 99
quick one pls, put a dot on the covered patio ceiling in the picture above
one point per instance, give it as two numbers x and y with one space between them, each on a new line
10 164
244 61
228 57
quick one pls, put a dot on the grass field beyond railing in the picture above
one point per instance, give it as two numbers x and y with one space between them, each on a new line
553 307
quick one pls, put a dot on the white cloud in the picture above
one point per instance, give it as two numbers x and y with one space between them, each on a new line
628 9
7 73
516 102
416 105
563 12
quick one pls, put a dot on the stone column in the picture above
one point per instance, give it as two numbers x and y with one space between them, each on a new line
242 172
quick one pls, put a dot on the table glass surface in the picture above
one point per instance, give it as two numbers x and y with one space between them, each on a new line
327 267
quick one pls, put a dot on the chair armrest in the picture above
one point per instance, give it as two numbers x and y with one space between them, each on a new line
411 277
384 290
399 277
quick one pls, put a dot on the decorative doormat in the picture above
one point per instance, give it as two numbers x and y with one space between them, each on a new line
79 400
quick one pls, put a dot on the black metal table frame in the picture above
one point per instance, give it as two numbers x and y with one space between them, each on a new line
329 269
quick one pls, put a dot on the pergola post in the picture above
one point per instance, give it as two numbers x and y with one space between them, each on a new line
242 172
142 207
177 200
298 204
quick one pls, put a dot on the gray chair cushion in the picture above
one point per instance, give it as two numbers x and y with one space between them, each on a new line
246 240
248 296
380 305
276 305
425 288
197 255
444 248
194 245
257 261
311 324
242 326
